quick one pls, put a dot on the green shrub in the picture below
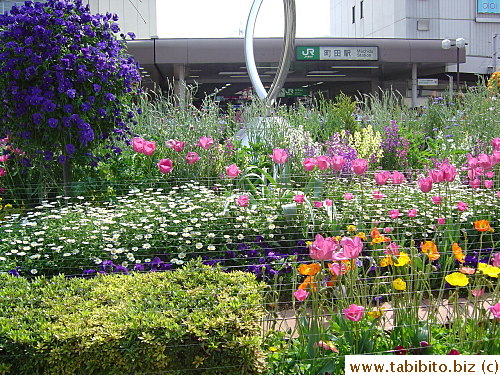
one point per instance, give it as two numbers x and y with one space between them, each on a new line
195 320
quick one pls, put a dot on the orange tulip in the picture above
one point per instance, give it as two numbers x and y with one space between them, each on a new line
457 251
430 249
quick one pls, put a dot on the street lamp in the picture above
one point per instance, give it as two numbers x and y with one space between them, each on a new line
458 43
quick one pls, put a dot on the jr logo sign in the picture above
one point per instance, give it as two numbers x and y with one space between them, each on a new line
307 53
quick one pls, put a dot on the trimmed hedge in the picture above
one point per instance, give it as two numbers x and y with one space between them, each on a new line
196 320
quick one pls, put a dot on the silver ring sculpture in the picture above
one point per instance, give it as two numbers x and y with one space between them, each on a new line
286 53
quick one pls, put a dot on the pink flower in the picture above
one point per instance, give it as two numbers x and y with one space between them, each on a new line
205 142
394 214
192 157
437 199
4 158
397 177
489 174
299 198
165 165
318 204
425 184
454 352
175 145
498 194
471 161
359 166
475 184
436 175
309 164
323 248
495 142
392 249
495 156
382 177
138 145
495 260
242 200
388 230
328 202
351 247
354 312
233 171
337 163
441 221
326 346
495 310
279 156
449 172
477 292
300 294
378 195
348 196
323 163
412 213
3 172
337 268
488 184
484 161
461 206
149 148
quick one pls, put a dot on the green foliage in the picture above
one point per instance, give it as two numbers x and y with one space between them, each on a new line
198 320
338 115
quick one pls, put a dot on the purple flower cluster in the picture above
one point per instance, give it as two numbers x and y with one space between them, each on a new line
395 146
66 80
337 145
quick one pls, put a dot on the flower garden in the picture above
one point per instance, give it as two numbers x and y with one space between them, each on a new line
141 237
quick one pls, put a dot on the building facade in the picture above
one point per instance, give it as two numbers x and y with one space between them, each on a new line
477 21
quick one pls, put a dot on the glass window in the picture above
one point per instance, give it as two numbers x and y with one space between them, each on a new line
361 9
6 5
353 14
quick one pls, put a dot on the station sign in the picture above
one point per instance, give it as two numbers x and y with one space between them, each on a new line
337 53
293 92
427 81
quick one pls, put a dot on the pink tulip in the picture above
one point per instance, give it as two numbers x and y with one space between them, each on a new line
495 310
394 214
475 184
324 345
309 164
165 165
175 145
299 198
436 175
348 196
149 148
4 158
382 177
495 157
300 294
233 171
461 206
488 184
354 312
323 163
351 247
412 213
425 184
3 172
449 172
495 260
337 268
498 194
323 248
397 177
441 221
328 202
205 142
279 156
243 200
192 157
359 166
485 161
477 292
437 199
337 163
471 161
377 195
495 142
138 145
388 230
392 249
489 174
318 204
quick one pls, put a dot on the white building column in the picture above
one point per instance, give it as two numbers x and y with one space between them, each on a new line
414 85
180 83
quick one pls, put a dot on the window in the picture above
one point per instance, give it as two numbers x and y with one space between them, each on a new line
353 14
361 10
6 5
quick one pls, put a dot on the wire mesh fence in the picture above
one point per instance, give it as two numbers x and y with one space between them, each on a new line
346 265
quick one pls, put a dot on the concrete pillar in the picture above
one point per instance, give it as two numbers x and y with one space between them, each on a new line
414 85
180 83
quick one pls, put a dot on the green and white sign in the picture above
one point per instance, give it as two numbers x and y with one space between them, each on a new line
337 53
293 92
